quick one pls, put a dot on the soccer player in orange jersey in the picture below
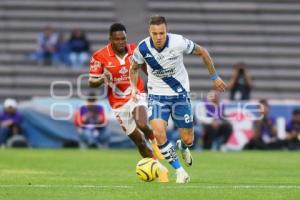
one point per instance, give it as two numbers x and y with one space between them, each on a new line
110 65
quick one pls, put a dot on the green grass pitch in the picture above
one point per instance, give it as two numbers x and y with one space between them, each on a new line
110 174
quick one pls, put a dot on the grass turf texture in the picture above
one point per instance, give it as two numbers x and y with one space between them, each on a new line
110 174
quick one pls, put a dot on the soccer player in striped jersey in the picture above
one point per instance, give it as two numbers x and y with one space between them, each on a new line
168 88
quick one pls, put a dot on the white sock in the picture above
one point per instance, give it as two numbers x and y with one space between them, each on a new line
180 169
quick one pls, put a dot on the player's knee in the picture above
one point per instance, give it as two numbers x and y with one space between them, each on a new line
161 137
143 126
159 131
188 139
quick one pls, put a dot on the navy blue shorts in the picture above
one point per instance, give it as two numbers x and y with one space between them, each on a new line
179 107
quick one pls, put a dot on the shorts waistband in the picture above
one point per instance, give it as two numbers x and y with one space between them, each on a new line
187 95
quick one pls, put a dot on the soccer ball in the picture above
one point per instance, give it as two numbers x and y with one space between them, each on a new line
147 169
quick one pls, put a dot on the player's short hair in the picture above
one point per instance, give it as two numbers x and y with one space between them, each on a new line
116 27
157 20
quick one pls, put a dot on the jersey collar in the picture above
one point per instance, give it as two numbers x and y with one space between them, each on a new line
112 53
160 50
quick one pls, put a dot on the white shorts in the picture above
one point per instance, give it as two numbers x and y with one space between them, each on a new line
124 114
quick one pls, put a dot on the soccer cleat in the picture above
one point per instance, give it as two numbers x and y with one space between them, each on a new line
156 150
182 176
163 176
186 154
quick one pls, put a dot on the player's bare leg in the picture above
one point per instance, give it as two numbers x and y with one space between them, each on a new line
141 118
167 149
137 137
187 138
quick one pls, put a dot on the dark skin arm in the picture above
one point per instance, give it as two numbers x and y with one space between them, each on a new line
95 82
144 68
133 74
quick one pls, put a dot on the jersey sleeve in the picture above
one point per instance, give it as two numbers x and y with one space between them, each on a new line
138 57
96 68
186 45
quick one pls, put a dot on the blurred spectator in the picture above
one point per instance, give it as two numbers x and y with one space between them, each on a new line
46 46
293 131
61 54
216 129
10 122
240 83
90 120
265 136
79 49
197 133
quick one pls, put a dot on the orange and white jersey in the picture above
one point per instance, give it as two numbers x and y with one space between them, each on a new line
105 60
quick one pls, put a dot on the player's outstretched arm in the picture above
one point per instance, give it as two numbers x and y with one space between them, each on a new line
133 75
217 81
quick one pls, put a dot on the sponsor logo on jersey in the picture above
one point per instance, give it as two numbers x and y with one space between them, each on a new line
120 79
123 70
179 89
110 65
173 58
161 73
148 56
172 55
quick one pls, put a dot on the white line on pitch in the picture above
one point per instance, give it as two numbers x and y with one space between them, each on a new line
212 187
235 187
66 186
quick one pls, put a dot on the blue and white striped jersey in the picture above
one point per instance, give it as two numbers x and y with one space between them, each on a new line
166 72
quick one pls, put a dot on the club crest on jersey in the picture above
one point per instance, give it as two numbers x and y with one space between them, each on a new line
123 70
159 57
172 53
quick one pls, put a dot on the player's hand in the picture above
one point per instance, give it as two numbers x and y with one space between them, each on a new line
134 94
219 84
106 76
95 82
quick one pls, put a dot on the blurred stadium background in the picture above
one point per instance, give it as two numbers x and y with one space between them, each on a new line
265 34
